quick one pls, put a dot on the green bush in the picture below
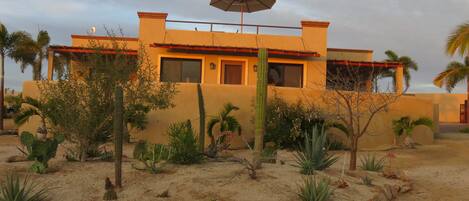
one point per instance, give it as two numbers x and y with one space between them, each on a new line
313 190
150 154
183 144
366 180
313 155
15 189
286 123
464 130
41 151
372 163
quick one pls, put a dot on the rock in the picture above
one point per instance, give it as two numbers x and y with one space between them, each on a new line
406 188
164 194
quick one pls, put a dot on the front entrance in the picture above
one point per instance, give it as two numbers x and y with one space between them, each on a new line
232 72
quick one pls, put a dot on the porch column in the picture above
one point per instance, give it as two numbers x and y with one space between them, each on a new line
399 79
50 65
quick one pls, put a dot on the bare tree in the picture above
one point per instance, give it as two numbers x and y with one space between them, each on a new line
350 100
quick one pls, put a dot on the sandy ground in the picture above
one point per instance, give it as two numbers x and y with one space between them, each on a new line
439 172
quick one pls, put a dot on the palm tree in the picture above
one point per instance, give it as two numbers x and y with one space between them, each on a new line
10 45
34 53
458 41
405 126
34 108
407 62
227 124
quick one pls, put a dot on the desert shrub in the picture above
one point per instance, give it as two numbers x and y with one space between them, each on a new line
366 180
313 155
183 144
269 154
41 151
15 189
286 123
464 130
336 145
372 163
151 154
314 190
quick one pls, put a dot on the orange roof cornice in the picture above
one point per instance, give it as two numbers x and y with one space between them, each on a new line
306 23
236 50
377 64
88 37
349 50
152 15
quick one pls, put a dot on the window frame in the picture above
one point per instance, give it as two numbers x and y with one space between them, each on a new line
303 71
177 57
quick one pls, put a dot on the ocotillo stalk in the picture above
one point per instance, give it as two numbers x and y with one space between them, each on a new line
201 119
118 133
261 102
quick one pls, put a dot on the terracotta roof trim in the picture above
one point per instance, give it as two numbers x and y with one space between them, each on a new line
88 37
236 49
321 24
152 15
349 50
71 49
365 63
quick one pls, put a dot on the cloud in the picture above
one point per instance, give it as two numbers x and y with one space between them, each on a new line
416 28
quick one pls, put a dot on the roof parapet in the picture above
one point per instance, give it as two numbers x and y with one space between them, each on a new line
152 15
309 23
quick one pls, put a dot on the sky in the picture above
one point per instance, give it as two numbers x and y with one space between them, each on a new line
415 28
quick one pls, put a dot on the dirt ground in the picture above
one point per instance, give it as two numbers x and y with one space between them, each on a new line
439 172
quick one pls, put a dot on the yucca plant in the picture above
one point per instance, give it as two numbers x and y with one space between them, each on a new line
314 190
16 189
372 163
313 155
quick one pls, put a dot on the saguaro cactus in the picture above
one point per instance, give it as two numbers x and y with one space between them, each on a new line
118 133
261 102
201 119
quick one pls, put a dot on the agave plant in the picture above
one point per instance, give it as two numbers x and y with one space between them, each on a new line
314 190
372 163
16 189
405 126
313 155
227 124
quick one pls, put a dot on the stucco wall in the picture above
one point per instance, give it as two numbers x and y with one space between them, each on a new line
243 96
448 105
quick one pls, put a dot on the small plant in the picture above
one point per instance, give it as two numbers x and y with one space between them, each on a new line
151 154
269 154
314 154
227 125
405 126
15 189
41 151
371 163
314 190
366 180
464 130
184 147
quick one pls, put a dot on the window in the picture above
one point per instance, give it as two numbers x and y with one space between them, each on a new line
286 75
181 70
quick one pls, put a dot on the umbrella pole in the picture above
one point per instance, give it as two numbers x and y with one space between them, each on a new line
242 19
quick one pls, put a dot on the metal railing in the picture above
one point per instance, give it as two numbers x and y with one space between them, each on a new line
257 26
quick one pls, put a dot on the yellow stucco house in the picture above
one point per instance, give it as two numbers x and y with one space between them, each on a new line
225 64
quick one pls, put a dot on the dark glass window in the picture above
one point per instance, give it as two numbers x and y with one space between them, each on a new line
181 70
286 75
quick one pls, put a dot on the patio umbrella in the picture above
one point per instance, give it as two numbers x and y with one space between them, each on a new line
243 6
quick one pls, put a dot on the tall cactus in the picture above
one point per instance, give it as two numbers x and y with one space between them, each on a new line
261 102
118 133
201 119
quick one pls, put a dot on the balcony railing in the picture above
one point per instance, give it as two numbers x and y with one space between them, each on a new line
212 28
